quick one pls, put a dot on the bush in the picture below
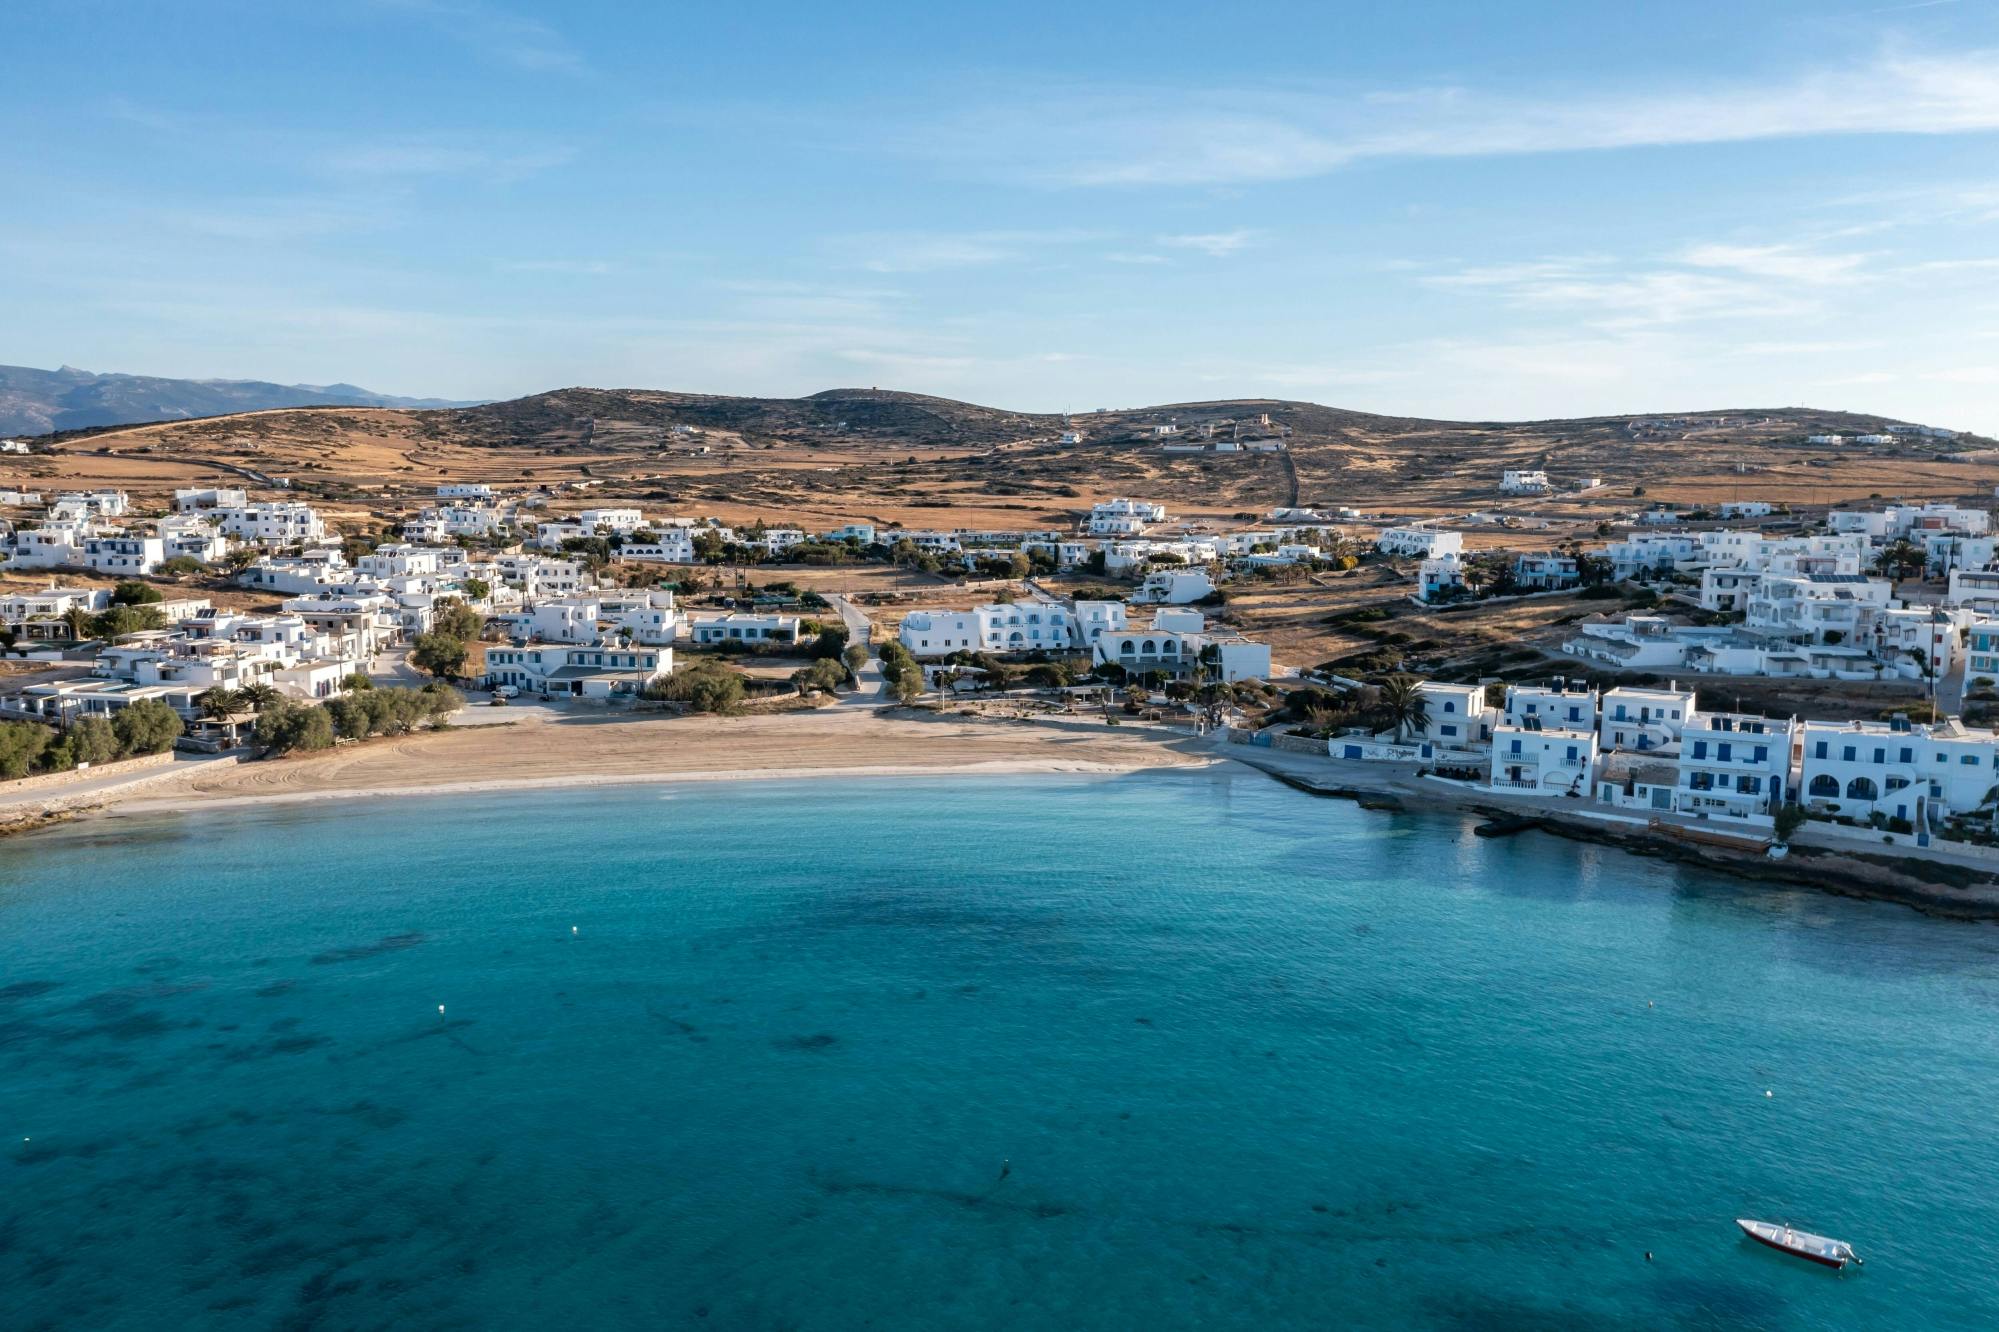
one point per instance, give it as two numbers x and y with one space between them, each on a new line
93 740
146 727
825 675
22 745
705 686
1789 819
439 653
130 593
284 727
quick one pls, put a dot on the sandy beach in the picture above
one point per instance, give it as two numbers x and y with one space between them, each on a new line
586 749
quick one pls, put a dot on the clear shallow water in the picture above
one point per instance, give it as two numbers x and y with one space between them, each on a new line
1256 1060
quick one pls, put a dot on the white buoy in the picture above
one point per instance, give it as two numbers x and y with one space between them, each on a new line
440 1010
1768 1092
572 929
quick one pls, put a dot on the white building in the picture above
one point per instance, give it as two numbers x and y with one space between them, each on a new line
197 499
1556 706
1817 608
595 670
622 521
1524 482
1456 716
1898 769
1747 509
1421 543
459 490
1440 579
1024 626
124 556
1644 719
1546 571
1732 765
1176 643
1545 760
274 524
742 627
1174 587
674 546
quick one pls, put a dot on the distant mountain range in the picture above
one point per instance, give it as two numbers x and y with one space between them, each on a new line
35 402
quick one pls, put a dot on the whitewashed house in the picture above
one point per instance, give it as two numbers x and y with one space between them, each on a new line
1524 482
272 525
202 498
1900 770
1542 759
1456 716
1423 543
1440 579
1644 719
1557 705
595 671
742 627
1733 765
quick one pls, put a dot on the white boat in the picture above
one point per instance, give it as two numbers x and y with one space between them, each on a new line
1800 1243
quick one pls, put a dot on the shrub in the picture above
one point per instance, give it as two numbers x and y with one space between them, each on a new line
93 740
146 727
22 744
439 653
287 726
131 593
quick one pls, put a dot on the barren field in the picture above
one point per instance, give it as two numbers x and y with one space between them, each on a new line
887 458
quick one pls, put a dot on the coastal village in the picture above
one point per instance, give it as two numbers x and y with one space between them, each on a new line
244 623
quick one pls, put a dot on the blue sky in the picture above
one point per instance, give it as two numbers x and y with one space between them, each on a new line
1445 209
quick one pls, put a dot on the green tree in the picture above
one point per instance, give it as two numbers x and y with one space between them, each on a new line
93 740
146 727
257 696
825 676
133 593
458 620
21 745
908 686
1405 705
78 620
856 657
354 681
123 620
350 716
476 589
289 726
218 704
180 566
439 653
830 643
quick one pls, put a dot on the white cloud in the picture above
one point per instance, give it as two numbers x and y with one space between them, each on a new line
932 251
1156 136
1214 244
439 156
1788 262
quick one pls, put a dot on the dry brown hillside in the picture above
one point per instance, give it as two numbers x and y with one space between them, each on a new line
868 454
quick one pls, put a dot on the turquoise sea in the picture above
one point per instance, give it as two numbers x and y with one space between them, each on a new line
1159 1051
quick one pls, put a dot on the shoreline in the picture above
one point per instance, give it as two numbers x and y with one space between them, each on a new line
189 803
588 752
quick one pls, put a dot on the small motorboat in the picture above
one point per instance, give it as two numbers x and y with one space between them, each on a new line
1803 1244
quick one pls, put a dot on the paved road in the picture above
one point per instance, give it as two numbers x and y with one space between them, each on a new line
85 787
872 689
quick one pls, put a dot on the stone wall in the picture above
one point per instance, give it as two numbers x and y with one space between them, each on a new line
51 781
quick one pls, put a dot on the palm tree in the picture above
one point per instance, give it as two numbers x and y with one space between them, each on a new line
1902 559
258 696
1401 695
78 619
218 704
